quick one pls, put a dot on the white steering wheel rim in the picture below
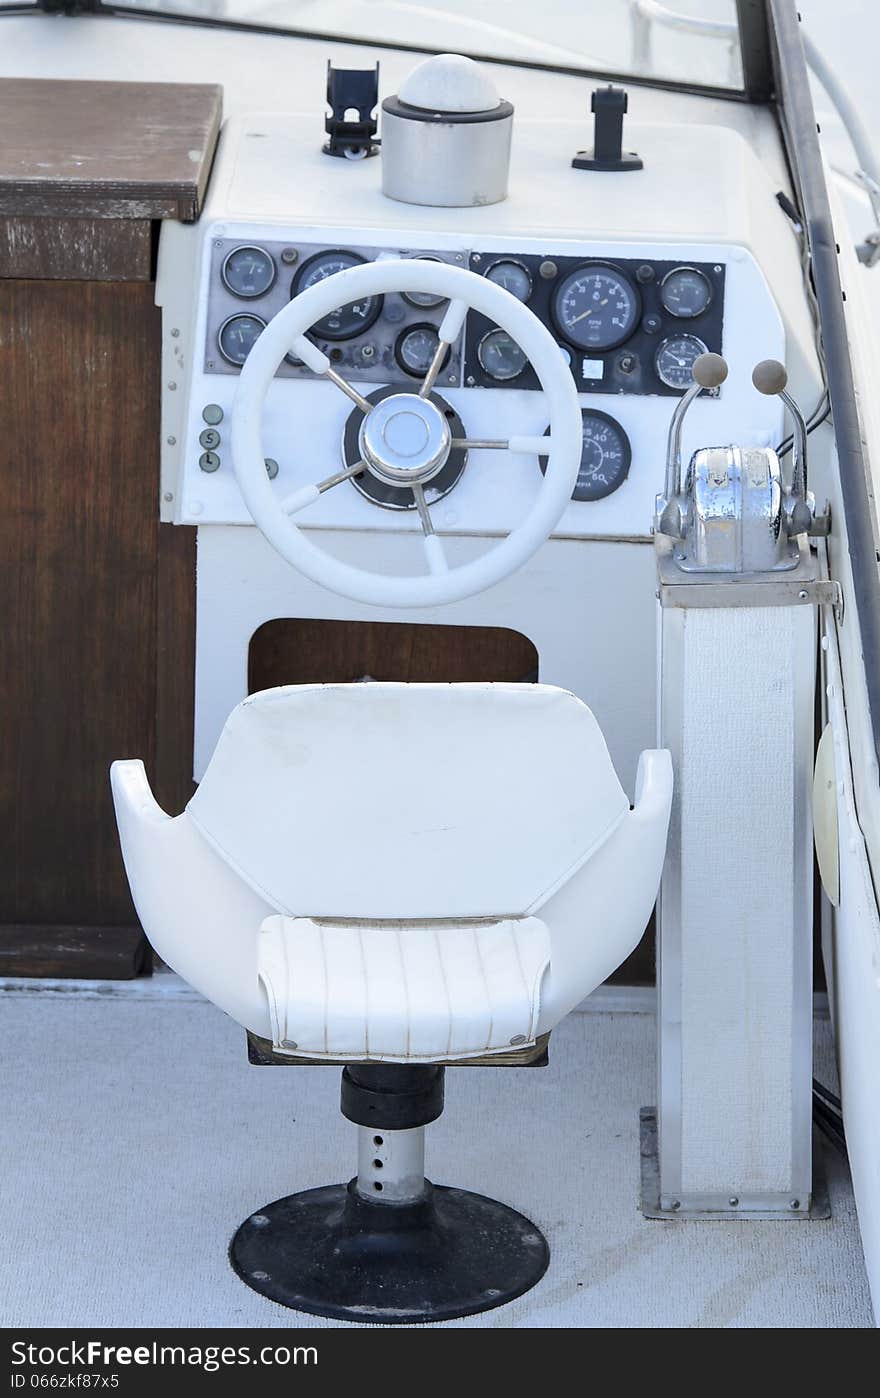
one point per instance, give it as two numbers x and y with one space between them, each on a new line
460 287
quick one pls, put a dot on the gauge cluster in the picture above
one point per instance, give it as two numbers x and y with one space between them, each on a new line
624 326
382 339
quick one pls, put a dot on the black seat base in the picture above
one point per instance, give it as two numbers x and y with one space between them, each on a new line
331 1252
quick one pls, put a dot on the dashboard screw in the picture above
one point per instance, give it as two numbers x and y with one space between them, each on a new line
271 467
548 269
175 334
471 380
733 1201
477 257
289 256
172 441
794 1203
645 273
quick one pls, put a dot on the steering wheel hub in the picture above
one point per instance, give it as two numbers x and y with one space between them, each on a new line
405 439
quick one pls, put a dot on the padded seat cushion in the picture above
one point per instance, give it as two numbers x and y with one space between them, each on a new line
402 992
375 801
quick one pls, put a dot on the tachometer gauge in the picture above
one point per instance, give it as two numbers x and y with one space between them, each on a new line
345 321
605 457
248 272
596 307
674 360
237 337
513 277
500 356
685 292
416 347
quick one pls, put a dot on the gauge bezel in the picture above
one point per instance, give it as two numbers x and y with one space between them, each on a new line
513 262
569 276
405 332
357 260
496 330
688 315
627 453
237 315
248 295
423 305
667 339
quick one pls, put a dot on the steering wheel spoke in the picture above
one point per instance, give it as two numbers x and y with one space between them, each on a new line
308 494
316 360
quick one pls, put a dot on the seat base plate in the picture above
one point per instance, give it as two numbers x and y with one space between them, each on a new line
330 1252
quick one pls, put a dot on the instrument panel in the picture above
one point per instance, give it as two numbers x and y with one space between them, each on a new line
628 317
623 326
383 339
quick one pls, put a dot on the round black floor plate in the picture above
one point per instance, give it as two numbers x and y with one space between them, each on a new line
329 1252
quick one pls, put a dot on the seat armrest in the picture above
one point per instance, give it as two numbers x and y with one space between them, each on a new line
654 783
132 795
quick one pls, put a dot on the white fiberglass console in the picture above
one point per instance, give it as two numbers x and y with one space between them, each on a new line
630 277
662 300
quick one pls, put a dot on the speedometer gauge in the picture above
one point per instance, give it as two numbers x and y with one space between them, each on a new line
675 358
345 321
605 456
596 307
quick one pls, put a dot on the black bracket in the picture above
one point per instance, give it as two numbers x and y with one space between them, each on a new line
609 105
357 90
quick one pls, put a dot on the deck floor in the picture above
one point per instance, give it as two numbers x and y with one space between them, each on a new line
136 1137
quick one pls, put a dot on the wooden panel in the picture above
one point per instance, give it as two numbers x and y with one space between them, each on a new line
338 652
77 249
120 150
94 953
79 400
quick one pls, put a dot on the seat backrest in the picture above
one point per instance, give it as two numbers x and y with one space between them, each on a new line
408 800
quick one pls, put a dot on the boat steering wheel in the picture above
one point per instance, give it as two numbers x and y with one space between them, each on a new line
405 439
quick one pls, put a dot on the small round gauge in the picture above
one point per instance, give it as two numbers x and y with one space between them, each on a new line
513 277
345 321
248 271
596 307
685 292
500 355
605 456
416 347
674 360
237 337
424 299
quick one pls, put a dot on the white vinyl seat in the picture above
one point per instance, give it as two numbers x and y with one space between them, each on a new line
399 872
397 877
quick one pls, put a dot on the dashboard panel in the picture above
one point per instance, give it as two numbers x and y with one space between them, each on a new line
618 311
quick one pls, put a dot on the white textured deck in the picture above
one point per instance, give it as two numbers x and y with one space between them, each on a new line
136 1138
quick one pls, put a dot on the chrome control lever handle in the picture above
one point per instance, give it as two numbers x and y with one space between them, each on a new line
709 371
771 378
